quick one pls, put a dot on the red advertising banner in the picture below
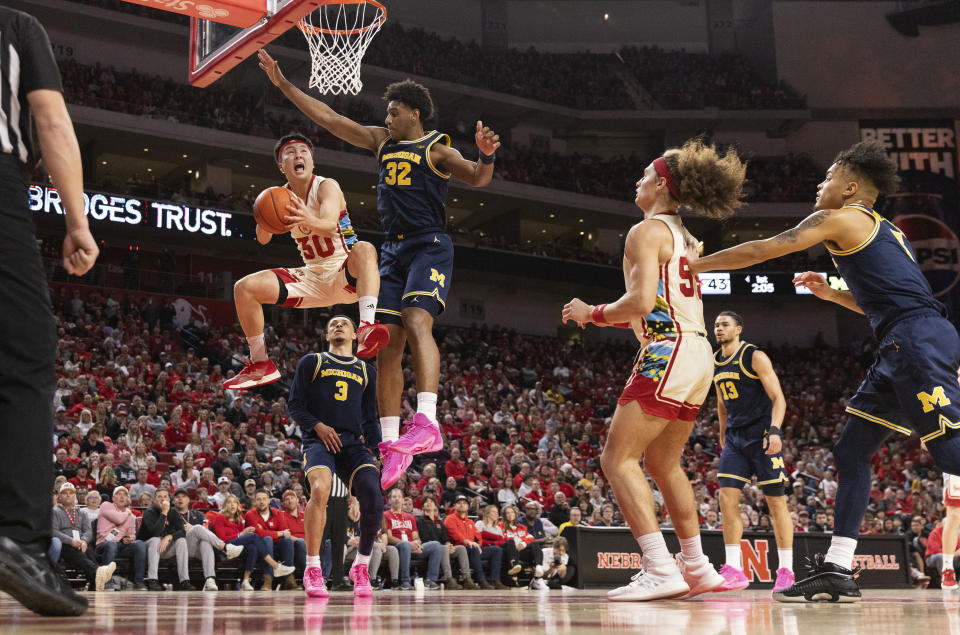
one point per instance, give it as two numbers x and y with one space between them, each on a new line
242 13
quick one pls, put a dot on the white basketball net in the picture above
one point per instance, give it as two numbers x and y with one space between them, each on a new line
338 35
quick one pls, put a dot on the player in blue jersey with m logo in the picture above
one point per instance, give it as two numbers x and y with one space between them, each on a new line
912 385
416 262
333 401
750 407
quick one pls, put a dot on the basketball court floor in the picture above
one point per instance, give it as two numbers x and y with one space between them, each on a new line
518 612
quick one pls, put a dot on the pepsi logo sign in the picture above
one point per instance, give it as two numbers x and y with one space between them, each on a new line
936 247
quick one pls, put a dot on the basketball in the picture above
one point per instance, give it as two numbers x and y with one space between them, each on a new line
270 209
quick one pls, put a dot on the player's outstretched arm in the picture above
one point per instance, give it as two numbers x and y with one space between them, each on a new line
819 287
816 228
368 137
642 251
476 173
771 385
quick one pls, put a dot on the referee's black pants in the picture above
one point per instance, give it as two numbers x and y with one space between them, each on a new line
336 530
27 380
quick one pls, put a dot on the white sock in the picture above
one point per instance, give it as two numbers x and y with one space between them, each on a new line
691 548
313 561
427 404
368 308
258 348
362 559
390 428
786 559
841 551
734 555
947 562
654 547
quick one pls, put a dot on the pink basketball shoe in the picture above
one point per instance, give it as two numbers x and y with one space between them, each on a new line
313 583
360 576
735 578
394 464
421 436
785 579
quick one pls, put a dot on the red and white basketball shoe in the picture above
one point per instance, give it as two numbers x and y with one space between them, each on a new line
948 581
394 465
253 374
421 436
313 583
371 338
360 576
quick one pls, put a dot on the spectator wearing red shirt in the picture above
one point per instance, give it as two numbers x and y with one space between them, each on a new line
82 478
454 466
403 535
272 525
463 531
154 474
229 526
934 555
293 517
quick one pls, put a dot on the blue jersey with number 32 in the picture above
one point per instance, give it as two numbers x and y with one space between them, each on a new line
411 190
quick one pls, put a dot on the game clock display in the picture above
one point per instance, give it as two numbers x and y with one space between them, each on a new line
751 283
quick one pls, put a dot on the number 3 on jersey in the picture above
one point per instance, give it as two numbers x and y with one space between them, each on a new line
341 394
398 173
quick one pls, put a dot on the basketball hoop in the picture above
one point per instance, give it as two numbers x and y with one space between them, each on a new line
338 34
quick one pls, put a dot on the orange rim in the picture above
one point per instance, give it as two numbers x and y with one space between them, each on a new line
309 29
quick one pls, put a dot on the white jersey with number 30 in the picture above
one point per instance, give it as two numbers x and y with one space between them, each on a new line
318 251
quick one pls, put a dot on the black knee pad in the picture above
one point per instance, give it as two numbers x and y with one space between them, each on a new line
366 487
773 489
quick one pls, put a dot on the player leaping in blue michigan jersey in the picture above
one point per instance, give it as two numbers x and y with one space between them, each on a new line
911 386
333 400
416 259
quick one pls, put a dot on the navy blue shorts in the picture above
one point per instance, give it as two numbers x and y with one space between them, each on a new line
414 272
912 385
743 457
353 456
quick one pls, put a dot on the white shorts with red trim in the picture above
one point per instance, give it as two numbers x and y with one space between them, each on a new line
951 490
672 378
312 286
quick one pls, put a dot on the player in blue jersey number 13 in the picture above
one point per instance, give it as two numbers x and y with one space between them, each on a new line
911 386
416 258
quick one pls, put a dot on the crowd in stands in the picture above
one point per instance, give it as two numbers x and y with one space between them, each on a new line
525 418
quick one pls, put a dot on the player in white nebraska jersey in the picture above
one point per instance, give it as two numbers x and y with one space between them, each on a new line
674 367
338 268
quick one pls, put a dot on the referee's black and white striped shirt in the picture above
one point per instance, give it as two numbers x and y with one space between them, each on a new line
338 489
26 65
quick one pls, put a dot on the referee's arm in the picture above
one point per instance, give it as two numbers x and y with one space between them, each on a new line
58 145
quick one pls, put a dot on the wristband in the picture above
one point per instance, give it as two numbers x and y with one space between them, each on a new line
596 316
487 159
775 431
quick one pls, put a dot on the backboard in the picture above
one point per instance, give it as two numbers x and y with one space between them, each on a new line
216 47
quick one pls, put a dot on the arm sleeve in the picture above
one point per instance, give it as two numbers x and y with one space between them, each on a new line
38 67
371 418
299 390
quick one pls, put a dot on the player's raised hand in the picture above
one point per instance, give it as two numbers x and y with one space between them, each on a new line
329 437
815 282
578 311
487 140
80 251
271 67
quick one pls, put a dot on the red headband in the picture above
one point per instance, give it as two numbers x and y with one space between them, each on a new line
280 151
661 167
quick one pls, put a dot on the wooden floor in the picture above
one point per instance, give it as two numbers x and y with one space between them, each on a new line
518 612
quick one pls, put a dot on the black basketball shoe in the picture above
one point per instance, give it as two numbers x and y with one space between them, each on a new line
27 574
825 582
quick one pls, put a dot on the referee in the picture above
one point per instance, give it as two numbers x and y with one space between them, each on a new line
336 530
30 89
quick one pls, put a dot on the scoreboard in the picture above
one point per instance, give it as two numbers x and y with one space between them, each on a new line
752 283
